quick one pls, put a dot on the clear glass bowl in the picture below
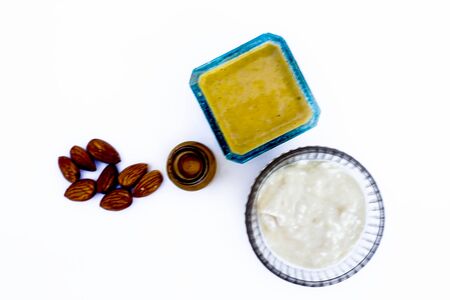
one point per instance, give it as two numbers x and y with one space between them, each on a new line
360 254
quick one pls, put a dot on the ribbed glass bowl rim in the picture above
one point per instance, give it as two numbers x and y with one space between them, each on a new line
302 276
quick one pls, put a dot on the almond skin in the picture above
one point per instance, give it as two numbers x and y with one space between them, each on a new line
116 200
68 168
82 159
149 183
131 175
103 151
81 190
107 180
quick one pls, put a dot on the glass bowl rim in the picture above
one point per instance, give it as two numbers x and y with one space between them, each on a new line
268 170
297 75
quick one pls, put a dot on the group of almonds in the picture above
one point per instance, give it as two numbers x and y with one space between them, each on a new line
119 188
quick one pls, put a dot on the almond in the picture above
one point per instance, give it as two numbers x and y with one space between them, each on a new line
68 168
116 200
149 183
107 179
102 151
81 190
82 159
131 175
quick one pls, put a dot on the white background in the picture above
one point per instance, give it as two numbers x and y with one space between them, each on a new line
119 70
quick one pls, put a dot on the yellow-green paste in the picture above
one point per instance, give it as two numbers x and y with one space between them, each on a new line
255 98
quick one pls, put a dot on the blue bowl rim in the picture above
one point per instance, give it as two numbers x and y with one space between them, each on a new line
266 37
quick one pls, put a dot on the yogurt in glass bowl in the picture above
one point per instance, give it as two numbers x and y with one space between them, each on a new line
315 216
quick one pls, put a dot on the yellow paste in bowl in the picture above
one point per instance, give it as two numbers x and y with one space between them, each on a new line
255 98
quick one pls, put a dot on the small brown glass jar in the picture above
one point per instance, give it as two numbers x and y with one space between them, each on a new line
191 166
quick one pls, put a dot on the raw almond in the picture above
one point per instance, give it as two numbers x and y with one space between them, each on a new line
81 190
149 183
107 180
116 200
68 168
103 151
82 159
131 175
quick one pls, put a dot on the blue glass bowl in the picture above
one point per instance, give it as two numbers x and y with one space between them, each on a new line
298 79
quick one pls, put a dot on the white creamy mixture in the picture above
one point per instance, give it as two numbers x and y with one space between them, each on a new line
311 213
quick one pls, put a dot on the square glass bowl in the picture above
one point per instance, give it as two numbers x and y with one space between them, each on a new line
254 97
